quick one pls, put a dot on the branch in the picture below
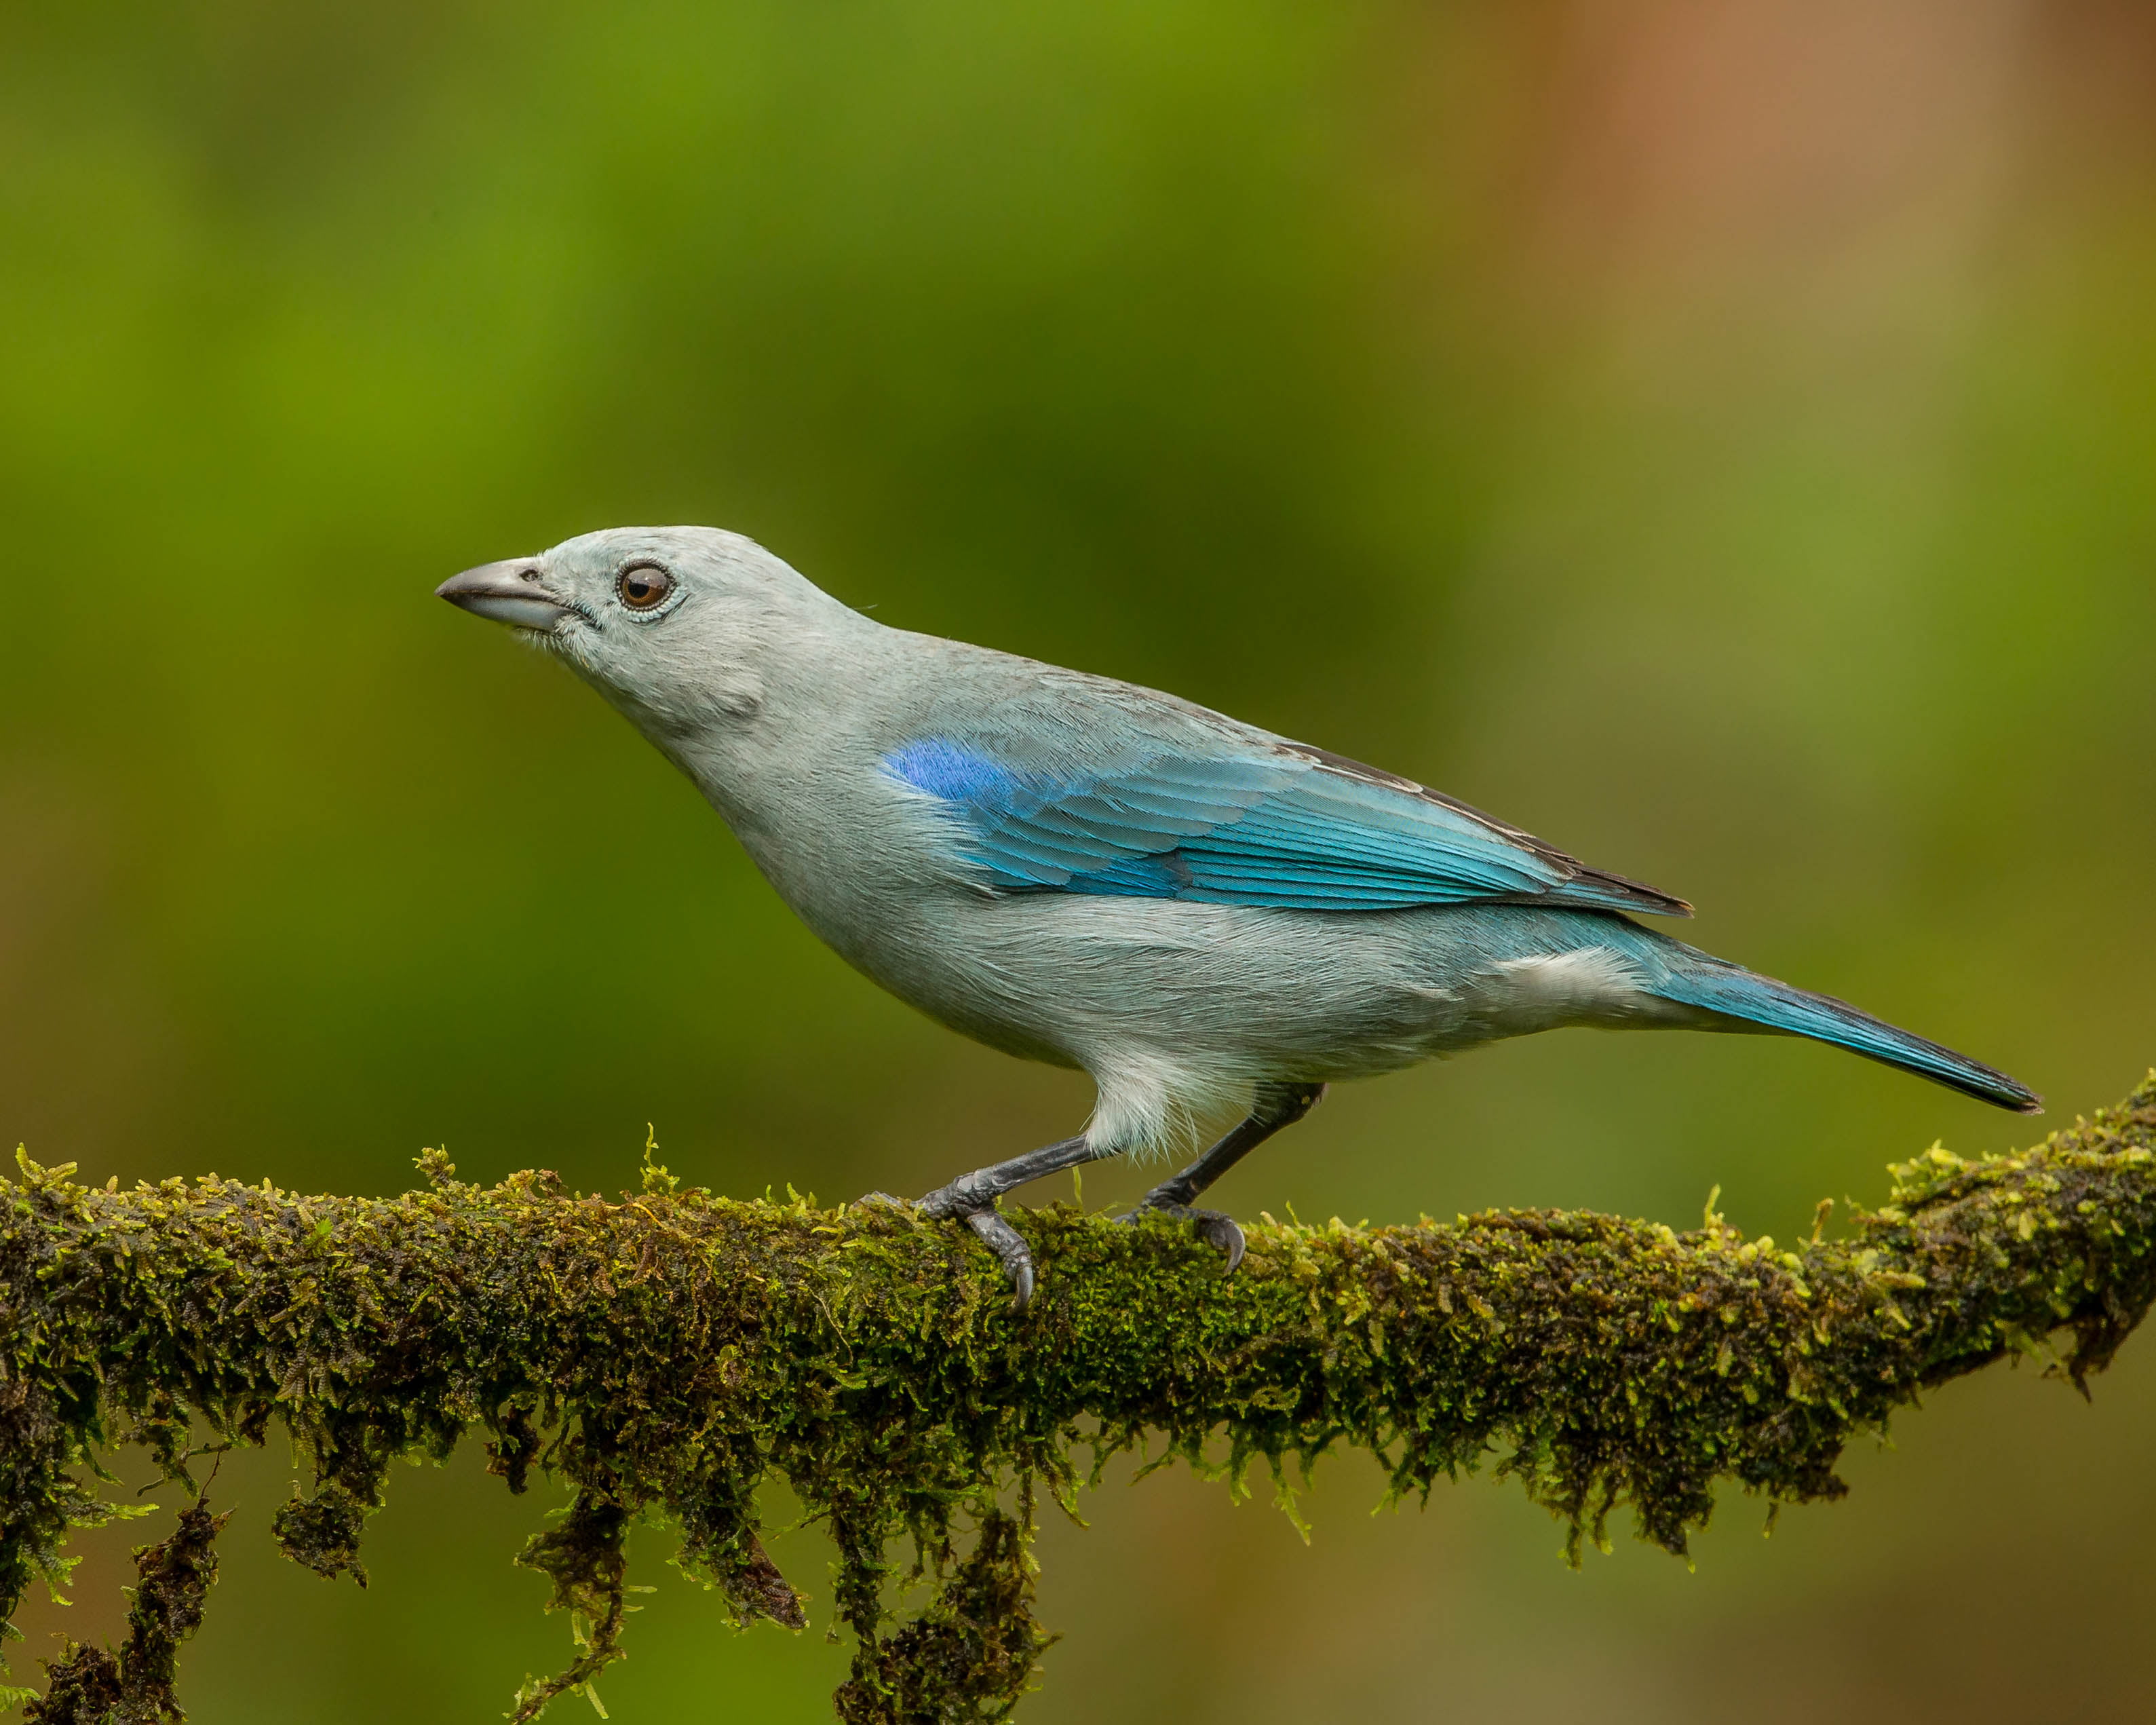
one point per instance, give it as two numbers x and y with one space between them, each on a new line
661 1355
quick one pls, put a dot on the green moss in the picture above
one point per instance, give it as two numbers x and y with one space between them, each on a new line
663 1353
89 1686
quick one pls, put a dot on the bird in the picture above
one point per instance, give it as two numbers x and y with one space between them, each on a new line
1206 918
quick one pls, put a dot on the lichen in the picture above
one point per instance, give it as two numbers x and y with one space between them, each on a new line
662 1353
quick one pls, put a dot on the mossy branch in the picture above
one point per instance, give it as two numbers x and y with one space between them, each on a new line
663 1354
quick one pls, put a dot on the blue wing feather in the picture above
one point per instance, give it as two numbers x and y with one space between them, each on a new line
1280 827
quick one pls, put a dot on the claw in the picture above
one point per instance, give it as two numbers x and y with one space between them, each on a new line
1221 1233
1011 1250
978 1213
1218 1229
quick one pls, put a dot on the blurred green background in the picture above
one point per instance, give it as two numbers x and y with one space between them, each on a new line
1720 439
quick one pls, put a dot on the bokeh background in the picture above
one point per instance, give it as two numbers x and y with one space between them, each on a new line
1720 438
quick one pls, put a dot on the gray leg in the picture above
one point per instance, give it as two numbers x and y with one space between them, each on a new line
1276 1105
972 1197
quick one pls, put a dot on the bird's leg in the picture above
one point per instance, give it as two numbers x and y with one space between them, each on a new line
972 1197
1276 1105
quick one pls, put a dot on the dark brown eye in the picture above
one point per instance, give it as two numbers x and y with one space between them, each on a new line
644 587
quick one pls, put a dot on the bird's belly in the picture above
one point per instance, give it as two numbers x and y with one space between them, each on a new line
1086 980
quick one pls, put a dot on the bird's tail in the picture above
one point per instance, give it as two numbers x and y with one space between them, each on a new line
1698 979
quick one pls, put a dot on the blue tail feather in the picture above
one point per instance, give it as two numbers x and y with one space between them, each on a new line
1696 979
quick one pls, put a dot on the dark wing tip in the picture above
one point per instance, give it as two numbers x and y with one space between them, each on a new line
1637 895
1634 894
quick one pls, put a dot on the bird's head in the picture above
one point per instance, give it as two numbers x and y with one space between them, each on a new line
676 626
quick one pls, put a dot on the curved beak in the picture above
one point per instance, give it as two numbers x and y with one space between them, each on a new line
507 592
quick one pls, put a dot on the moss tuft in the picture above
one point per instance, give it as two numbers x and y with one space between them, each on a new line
89 1686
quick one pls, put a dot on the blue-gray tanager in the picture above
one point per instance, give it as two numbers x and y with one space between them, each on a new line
1200 915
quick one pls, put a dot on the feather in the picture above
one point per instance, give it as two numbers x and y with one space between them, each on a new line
1281 826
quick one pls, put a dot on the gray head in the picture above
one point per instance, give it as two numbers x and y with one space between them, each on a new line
676 626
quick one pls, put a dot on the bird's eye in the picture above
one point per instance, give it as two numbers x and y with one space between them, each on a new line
644 587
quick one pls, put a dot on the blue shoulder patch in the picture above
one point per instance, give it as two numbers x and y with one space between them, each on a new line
943 769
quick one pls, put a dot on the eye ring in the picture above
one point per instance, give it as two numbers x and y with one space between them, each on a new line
644 587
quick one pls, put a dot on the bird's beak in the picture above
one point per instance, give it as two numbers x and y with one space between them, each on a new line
506 592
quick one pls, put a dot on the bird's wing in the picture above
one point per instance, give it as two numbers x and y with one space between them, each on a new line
1255 821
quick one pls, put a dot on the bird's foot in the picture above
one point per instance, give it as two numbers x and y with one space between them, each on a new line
965 1199
1216 1227
971 1198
